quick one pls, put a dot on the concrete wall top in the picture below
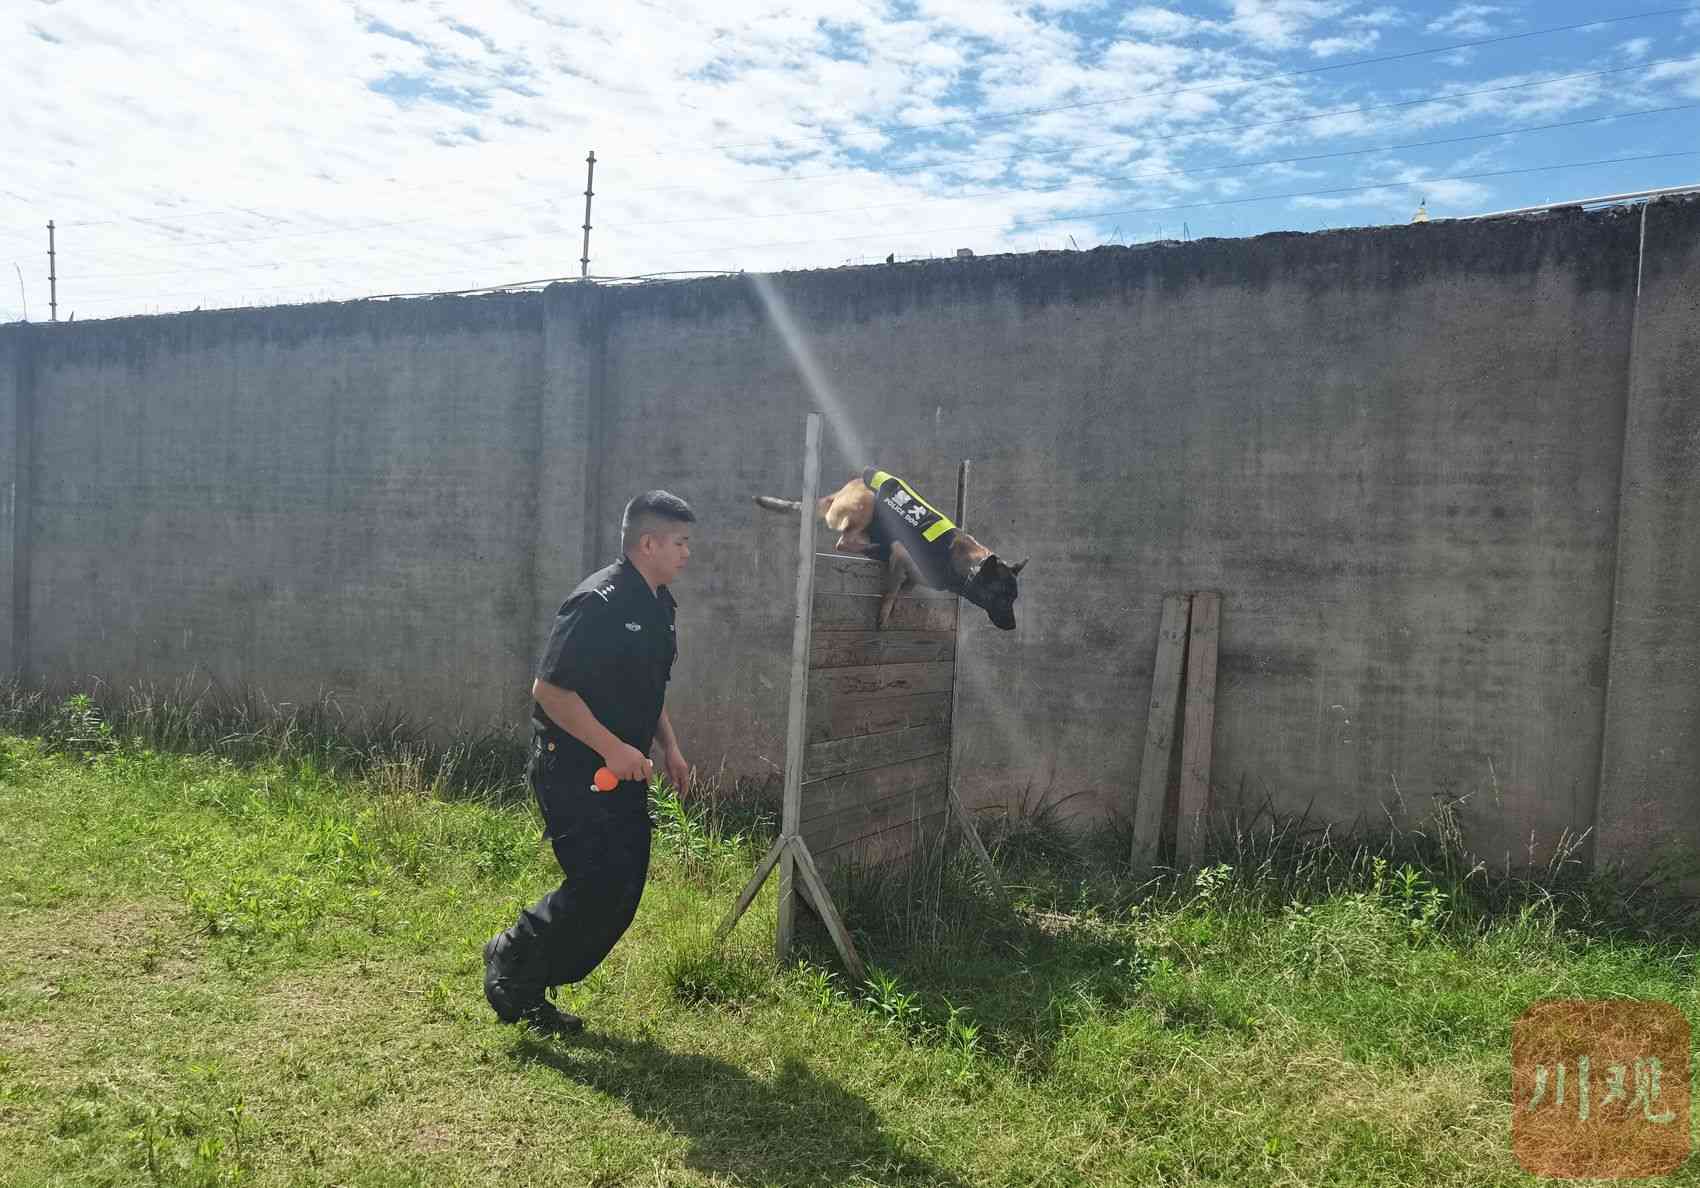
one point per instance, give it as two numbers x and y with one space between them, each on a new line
1582 245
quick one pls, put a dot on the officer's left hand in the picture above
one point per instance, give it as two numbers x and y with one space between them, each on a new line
678 771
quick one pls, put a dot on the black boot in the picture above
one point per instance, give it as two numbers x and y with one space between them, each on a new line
545 1017
507 990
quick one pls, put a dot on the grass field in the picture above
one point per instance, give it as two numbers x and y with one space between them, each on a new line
251 956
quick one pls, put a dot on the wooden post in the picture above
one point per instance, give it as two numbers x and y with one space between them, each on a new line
957 808
956 647
1160 732
1200 727
791 815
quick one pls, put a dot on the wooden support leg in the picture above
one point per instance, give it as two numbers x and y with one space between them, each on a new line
828 910
1200 728
1160 732
751 888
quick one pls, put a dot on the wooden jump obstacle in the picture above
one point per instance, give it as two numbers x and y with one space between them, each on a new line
869 755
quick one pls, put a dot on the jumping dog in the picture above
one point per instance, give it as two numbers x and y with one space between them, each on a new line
877 514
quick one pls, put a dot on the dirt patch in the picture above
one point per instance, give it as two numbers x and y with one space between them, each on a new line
436 1137
70 954
152 941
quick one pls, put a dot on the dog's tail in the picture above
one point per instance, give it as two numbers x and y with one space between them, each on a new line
772 503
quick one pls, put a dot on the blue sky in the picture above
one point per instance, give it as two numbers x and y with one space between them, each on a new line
327 150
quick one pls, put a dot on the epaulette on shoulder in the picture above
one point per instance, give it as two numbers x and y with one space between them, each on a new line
605 591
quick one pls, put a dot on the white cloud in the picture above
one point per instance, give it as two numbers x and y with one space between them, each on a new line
1378 18
1454 197
1684 74
1372 197
278 153
1328 47
1280 24
1149 21
1468 20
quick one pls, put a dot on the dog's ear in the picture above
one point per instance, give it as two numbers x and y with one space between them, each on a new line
1020 565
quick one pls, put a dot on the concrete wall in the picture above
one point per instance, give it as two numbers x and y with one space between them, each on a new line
16 432
314 498
1650 773
1399 453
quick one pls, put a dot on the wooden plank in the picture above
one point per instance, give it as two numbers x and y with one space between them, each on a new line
896 843
878 680
795 758
841 612
873 750
842 573
849 649
855 718
876 783
1152 789
1200 727
763 869
828 910
863 818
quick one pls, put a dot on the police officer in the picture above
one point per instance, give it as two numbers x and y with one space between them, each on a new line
598 701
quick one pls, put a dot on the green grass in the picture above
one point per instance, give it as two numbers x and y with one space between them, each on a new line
259 964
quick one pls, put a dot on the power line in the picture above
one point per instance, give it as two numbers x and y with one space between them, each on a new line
1003 190
1023 224
173 222
1018 225
1213 129
1209 129
1257 81
505 287
1196 132
167 221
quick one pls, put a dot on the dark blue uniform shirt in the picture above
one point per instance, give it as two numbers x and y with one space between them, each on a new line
613 643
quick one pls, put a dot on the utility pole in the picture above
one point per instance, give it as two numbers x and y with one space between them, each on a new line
52 276
589 181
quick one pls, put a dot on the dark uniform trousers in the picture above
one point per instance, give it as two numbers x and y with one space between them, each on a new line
601 840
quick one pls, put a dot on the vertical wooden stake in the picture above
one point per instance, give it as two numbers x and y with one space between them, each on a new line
1200 727
791 815
959 810
1160 732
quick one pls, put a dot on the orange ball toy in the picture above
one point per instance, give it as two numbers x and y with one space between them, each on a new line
605 780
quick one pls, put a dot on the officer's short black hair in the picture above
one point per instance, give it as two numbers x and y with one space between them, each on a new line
648 512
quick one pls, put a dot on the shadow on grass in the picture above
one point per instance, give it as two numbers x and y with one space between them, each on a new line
1021 986
799 1128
